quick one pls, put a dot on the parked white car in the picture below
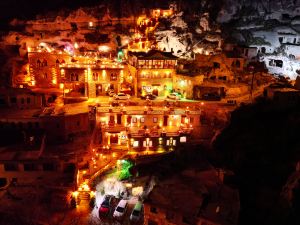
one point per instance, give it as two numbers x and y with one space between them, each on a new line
121 96
174 96
120 209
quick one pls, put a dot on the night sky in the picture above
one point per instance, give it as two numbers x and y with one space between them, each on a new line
29 8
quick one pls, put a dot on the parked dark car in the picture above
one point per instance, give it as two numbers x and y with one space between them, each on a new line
211 97
148 96
105 206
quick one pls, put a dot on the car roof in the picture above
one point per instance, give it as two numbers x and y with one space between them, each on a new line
138 206
122 203
107 197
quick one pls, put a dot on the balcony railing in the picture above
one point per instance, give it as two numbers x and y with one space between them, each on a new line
113 128
170 131
156 76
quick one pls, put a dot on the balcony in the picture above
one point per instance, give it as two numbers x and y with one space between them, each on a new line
169 131
114 128
159 76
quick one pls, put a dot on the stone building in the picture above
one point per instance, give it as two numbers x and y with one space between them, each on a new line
149 128
20 98
59 125
26 163
224 67
44 65
152 72
91 80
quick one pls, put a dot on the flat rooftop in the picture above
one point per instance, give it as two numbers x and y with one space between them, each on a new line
68 109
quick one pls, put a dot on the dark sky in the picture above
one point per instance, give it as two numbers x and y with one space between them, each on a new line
29 8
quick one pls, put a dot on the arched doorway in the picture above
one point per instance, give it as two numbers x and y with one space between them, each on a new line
155 92
98 89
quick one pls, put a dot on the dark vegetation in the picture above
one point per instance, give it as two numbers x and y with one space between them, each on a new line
261 145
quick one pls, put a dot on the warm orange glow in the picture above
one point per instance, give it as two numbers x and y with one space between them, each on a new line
75 194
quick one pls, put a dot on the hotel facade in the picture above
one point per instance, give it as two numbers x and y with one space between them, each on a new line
146 128
153 72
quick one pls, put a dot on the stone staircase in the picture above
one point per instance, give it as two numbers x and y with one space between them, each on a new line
84 198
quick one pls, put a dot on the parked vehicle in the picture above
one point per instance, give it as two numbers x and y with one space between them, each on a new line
105 206
115 103
211 97
111 93
120 209
136 213
148 96
174 96
121 96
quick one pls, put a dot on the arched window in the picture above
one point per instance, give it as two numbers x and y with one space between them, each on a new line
95 76
38 62
113 77
74 77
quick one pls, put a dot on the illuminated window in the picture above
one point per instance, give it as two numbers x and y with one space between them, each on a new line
154 119
182 139
142 120
134 120
147 143
136 144
171 142
160 141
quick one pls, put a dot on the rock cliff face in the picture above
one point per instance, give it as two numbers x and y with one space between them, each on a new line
247 8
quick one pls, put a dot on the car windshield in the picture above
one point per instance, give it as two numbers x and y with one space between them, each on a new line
104 205
120 209
135 213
